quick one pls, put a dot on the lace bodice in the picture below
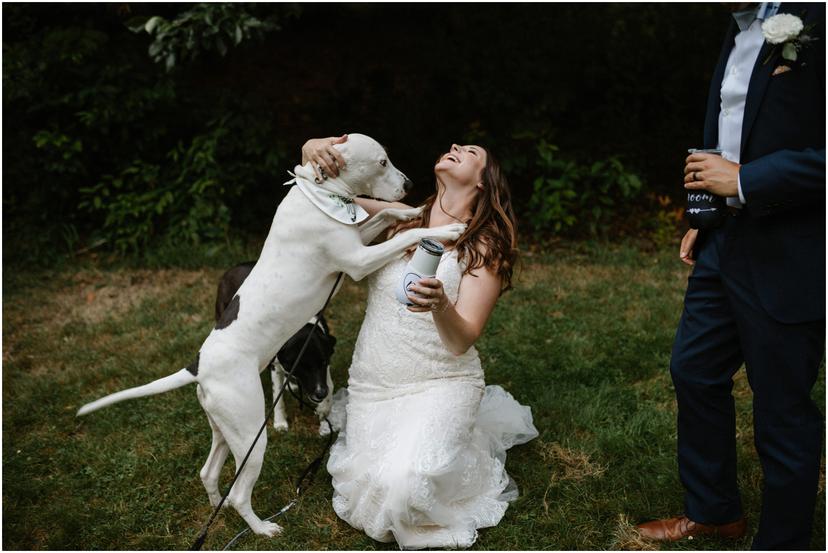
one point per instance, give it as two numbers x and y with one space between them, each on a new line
400 347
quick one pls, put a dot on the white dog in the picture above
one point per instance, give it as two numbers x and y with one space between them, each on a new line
304 251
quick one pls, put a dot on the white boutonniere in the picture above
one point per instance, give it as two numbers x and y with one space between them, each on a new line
788 31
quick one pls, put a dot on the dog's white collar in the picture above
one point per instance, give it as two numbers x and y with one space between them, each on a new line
340 208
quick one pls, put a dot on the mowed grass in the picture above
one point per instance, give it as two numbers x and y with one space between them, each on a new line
584 339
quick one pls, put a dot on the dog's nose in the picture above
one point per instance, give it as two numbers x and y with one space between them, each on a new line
408 185
319 394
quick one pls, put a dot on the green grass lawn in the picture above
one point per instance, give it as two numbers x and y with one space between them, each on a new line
584 339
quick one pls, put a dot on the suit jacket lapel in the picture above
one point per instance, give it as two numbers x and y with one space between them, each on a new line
759 79
711 121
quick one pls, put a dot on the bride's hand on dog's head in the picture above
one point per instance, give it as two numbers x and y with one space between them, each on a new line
325 159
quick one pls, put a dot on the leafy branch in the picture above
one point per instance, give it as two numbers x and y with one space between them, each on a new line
207 28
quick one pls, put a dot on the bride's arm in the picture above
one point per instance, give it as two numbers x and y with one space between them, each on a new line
322 154
459 324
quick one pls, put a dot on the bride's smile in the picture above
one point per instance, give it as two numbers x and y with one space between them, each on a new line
461 166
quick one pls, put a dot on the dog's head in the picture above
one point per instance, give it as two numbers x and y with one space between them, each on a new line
312 370
369 172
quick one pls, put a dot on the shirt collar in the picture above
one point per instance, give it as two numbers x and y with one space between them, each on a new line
761 12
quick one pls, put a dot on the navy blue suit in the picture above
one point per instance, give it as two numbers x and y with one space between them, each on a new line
757 296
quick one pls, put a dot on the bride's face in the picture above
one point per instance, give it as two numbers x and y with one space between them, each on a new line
462 165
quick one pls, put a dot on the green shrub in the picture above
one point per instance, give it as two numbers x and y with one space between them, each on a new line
103 150
183 197
573 198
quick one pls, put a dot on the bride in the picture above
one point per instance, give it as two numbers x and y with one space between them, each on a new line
421 456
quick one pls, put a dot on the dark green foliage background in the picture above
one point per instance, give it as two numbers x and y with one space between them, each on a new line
106 148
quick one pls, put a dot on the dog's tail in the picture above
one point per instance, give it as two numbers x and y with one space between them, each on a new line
171 382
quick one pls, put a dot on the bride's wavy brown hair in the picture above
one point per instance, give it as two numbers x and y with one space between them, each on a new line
490 239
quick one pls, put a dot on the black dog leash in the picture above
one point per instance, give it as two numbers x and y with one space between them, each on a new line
199 541
310 472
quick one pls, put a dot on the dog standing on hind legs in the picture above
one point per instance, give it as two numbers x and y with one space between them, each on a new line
304 251
311 379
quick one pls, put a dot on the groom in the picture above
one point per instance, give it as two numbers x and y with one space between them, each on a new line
757 292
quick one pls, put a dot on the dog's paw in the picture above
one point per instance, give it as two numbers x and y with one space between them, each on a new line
324 408
280 426
265 528
397 214
449 233
324 429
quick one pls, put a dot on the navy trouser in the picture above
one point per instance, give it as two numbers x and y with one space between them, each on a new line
723 325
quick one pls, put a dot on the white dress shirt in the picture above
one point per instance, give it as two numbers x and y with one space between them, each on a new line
735 83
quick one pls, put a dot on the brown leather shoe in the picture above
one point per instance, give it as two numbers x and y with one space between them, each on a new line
674 529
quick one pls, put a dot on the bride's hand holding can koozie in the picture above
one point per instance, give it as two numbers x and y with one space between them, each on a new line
423 264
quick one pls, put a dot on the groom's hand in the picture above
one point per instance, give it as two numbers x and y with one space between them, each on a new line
711 173
686 249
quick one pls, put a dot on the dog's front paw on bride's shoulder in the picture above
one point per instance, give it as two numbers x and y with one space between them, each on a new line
401 214
410 213
447 232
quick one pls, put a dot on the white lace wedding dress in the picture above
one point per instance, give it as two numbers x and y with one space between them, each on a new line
421 456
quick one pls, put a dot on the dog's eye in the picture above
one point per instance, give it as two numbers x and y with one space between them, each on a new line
384 162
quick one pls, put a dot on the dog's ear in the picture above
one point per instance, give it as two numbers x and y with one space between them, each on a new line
290 350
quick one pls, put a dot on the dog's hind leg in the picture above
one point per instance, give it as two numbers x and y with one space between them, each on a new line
211 470
239 415
279 416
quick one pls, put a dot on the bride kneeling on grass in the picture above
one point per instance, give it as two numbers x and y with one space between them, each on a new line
421 457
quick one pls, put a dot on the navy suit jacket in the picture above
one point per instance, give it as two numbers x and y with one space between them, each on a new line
783 171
